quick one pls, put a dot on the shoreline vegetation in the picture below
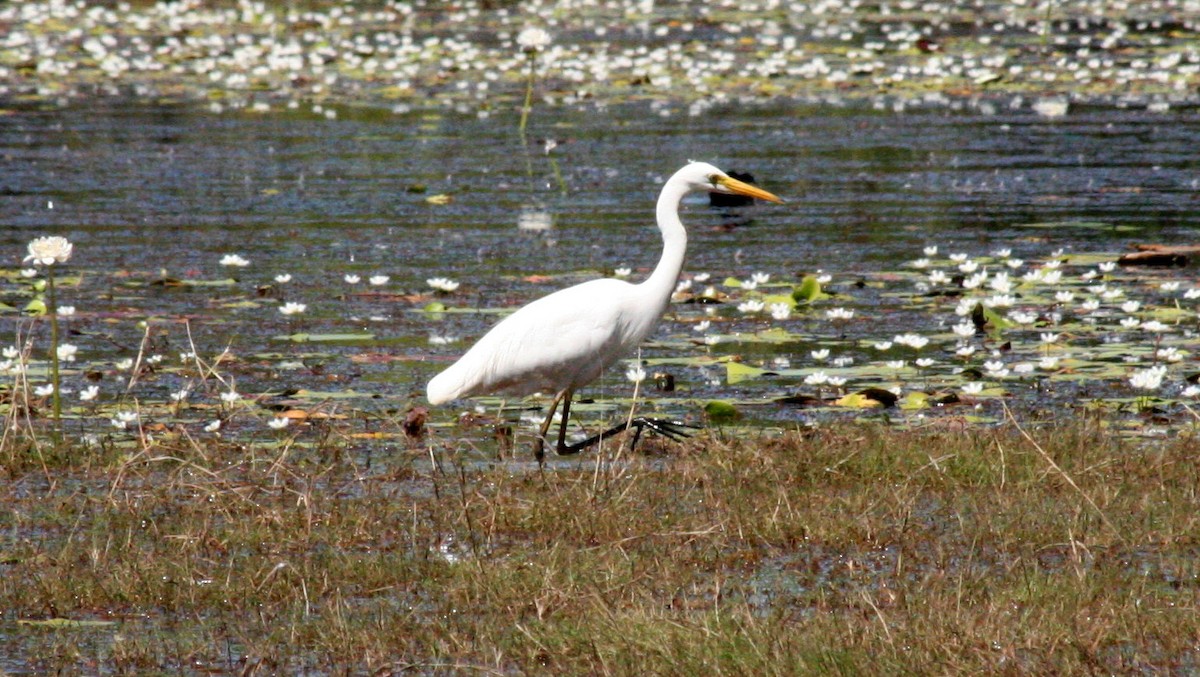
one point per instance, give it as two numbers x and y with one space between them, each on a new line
857 549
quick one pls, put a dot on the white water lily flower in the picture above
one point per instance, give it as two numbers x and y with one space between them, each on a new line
123 419
234 260
914 341
622 272
378 280
751 306
279 423
66 352
780 311
1049 363
533 39
292 308
635 374
66 311
1021 317
281 279
931 250
972 388
351 278
47 251
1148 379
213 427
760 278
44 390
89 393
839 314
816 378
230 396
964 329
975 280
820 355
1169 354
442 284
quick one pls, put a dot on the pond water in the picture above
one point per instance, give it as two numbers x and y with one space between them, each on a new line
149 193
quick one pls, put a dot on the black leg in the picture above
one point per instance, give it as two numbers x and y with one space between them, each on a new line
566 420
539 445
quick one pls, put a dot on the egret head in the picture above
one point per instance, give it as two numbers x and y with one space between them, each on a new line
703 176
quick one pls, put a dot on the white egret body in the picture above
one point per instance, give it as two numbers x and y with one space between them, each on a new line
564 341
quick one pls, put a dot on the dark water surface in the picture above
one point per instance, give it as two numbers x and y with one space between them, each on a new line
151 191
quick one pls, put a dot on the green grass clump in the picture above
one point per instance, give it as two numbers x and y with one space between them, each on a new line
853 549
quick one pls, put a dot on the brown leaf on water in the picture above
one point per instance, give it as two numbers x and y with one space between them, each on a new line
414 422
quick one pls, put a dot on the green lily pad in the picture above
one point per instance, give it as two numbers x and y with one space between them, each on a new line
719 411
808 291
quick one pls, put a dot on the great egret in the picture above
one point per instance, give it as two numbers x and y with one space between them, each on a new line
563 341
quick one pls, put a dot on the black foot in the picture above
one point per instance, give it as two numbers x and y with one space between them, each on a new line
672 430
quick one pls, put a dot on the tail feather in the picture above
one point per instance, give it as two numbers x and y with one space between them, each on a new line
444 387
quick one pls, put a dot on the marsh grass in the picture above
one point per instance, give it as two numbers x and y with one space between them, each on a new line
848 550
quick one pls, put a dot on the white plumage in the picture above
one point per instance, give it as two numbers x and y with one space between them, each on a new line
565 340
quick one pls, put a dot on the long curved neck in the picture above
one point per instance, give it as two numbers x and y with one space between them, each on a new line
661 283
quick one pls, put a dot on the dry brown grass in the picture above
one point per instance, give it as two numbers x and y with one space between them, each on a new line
855 549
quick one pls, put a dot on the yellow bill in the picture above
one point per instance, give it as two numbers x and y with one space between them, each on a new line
741 188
